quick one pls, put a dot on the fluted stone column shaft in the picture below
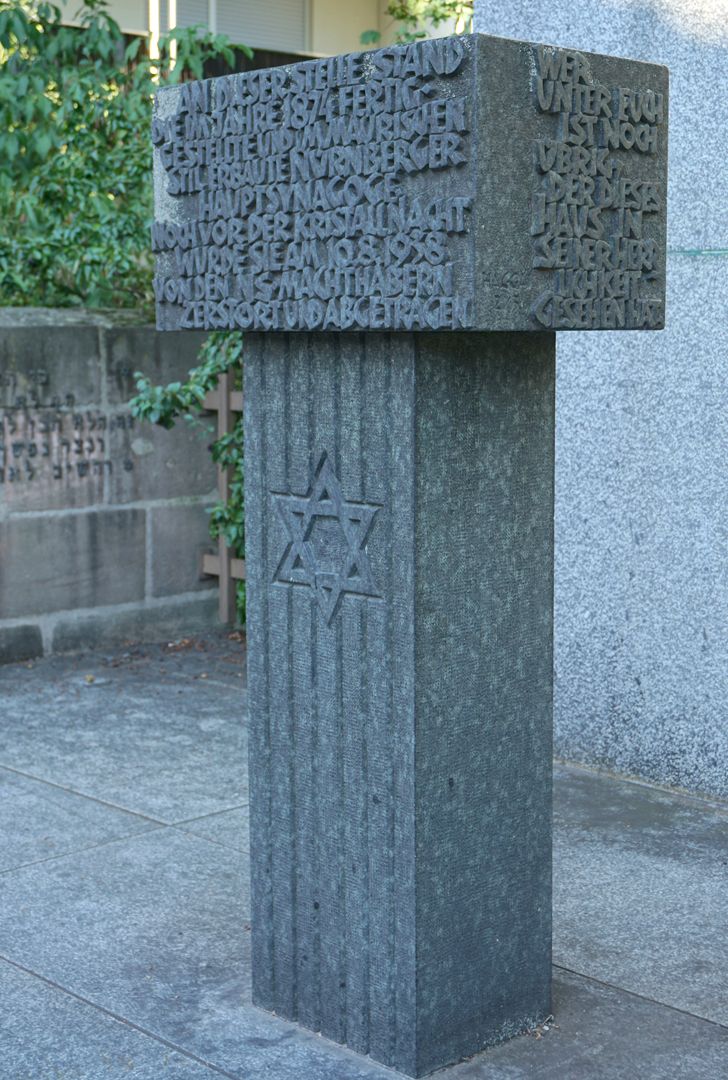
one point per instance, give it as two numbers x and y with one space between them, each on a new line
399 505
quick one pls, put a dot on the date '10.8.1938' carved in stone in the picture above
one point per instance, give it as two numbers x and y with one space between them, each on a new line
327 541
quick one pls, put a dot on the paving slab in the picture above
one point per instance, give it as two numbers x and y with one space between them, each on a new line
606 1034
41 821
152 927
230 827
45 1034
641 890
160 734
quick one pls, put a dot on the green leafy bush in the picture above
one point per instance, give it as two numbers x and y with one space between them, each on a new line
76 178
76 188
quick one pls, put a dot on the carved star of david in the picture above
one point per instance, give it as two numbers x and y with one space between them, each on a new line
326 541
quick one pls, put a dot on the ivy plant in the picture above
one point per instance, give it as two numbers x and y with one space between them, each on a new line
165 405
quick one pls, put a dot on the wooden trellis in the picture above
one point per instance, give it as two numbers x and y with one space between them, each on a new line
226 402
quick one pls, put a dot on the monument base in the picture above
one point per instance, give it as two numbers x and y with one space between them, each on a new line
399 500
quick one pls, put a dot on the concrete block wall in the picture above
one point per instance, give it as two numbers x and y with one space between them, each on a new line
641 581
102 518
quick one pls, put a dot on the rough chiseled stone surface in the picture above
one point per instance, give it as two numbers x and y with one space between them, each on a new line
456 183
399 627
692 40
641 561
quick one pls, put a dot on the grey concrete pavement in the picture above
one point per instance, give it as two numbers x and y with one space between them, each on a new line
124 934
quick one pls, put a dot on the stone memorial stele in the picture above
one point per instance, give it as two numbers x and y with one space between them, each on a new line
376 221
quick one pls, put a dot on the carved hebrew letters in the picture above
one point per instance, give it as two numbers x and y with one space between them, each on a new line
51 443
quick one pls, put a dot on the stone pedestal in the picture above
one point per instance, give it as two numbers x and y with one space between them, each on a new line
406 228
399 509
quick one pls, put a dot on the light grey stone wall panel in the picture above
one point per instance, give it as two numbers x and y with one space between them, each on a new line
642 439
77 568
642 542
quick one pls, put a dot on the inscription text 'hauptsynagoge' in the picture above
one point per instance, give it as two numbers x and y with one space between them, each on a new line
332 194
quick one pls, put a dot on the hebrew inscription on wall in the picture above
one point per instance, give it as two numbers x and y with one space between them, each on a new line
49 442
333 194
595 195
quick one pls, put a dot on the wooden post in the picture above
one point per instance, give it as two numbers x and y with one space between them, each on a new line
225 422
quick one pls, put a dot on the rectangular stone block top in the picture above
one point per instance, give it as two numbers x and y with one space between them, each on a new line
457 183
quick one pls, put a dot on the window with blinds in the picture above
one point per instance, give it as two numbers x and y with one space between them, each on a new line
192 12
280 25
131 15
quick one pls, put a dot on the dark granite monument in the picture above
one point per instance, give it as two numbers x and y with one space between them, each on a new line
371 219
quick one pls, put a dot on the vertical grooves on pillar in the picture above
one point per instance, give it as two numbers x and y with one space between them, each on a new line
365 974
336 720
364 677
316 842
268 771
261 821
391 744
304 762
379 474
291 869
340 735
329 899
366 952
320 795
341 840
315 776
278 478
353 839
403 376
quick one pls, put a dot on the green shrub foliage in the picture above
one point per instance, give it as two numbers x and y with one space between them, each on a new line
76 189
412 18
76 179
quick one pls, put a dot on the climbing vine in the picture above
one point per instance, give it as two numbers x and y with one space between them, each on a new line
165 405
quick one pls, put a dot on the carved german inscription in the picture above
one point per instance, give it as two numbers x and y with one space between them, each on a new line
591 207
463 183
327 195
